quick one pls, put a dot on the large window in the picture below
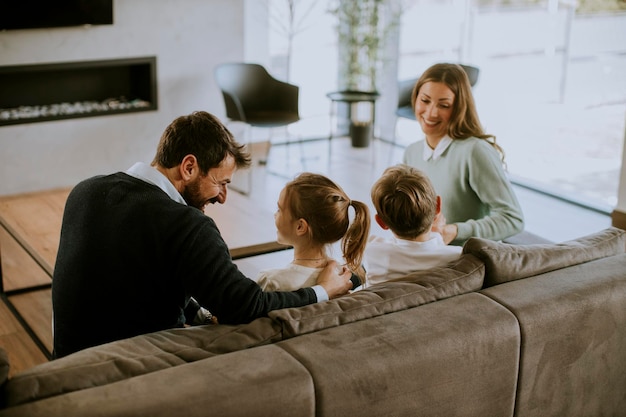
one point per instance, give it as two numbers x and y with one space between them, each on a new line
552 83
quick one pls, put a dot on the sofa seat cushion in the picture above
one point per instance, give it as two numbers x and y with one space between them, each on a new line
454 357
139 355
459 277
265 381
507 262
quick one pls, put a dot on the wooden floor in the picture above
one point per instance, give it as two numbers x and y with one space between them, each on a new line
244 219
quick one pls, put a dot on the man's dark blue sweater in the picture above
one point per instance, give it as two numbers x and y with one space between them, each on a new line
129 259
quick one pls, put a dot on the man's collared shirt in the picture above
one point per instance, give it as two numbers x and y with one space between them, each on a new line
151 175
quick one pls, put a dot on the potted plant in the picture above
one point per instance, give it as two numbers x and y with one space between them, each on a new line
363 28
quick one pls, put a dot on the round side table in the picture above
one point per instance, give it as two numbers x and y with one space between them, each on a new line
353 98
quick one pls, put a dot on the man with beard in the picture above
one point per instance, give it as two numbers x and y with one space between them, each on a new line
136 246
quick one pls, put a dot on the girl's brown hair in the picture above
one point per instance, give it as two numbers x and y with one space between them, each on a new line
464 122
324 205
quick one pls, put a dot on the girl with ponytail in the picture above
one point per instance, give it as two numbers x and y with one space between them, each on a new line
313 213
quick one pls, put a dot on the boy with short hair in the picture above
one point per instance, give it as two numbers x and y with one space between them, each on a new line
407 205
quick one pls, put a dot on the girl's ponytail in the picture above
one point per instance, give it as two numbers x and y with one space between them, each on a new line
355 239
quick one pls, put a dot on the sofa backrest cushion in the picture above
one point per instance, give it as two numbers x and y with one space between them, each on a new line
264 381
506 262
458 277
139 355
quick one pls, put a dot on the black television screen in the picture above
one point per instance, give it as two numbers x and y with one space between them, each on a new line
32 14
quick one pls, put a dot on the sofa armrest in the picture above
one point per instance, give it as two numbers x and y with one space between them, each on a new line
506 262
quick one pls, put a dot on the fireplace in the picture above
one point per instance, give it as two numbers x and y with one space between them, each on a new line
43 92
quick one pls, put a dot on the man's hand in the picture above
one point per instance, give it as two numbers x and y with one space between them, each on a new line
335 279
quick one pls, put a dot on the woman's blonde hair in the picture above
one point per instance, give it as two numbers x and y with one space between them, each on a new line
324 205
405 200
464 122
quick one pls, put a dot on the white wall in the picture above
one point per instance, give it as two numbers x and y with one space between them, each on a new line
188 37
256 32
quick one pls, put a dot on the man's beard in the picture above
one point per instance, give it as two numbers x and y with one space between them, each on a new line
191 194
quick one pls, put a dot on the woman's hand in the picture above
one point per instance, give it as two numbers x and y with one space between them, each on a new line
439 223
447 231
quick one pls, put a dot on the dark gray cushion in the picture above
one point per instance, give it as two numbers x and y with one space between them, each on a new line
506 262
123 359
264 381
454 357
459 277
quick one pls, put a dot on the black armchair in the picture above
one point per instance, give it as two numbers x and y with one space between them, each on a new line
252 96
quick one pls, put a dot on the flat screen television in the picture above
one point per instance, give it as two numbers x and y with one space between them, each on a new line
33 14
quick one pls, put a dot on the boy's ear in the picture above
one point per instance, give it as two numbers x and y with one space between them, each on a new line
302 227
438 204
380 222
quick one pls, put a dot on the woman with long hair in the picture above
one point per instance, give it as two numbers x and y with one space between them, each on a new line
464 163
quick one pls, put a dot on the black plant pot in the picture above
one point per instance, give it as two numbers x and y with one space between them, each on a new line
360 134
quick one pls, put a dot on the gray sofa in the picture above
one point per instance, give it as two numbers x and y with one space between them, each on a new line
508 330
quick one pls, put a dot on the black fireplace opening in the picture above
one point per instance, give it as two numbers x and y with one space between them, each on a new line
43 92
